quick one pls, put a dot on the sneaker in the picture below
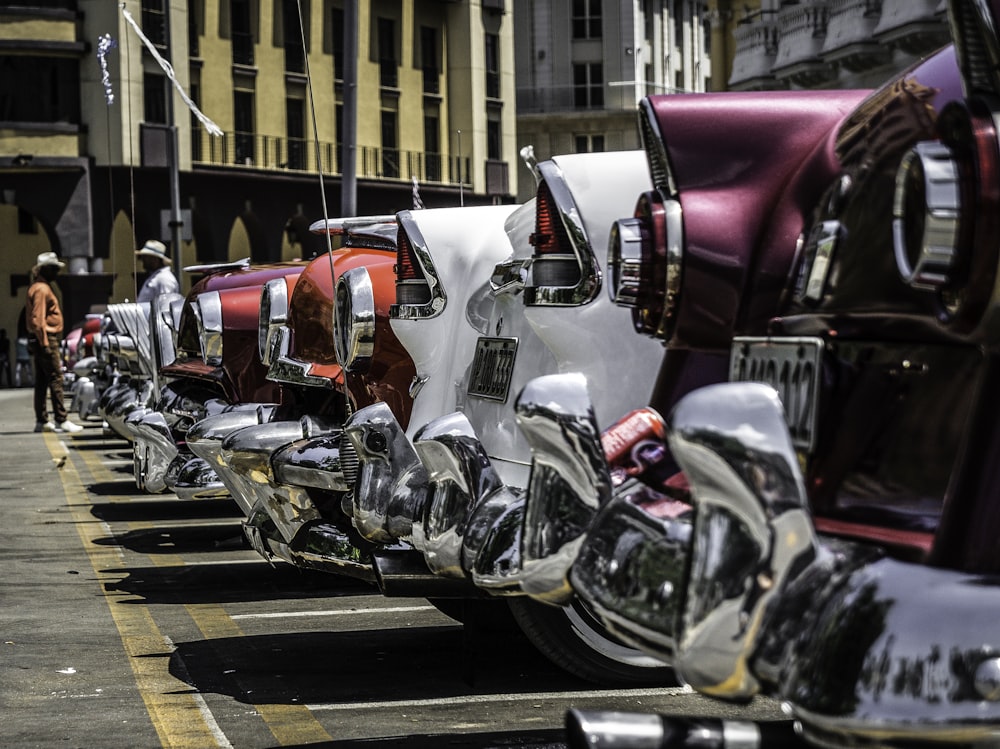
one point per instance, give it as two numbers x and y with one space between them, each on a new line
44 426
68 426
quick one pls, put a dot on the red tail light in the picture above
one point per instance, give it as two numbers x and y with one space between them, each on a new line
555 264
550 234
411 286
644 261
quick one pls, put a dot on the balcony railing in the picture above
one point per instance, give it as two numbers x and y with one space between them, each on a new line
272 153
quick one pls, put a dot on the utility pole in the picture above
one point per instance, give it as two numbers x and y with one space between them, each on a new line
348 160
176 222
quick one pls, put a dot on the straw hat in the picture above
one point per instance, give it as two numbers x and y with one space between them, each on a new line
49 258
153 248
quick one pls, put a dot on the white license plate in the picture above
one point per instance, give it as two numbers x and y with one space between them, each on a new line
792 366
493 368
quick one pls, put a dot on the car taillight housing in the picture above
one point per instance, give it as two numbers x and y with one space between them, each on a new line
563 270
419 293
645 254
946 214
272 315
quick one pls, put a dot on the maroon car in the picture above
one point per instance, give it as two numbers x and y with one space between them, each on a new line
839 552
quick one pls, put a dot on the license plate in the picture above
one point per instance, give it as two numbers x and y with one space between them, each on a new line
792 366
493 368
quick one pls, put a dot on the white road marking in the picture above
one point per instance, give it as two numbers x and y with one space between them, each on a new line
495 698
338 612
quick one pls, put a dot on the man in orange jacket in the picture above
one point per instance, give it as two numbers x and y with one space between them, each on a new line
45 326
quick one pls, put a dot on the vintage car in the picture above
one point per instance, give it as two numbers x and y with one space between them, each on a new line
124 370
79 358
199 349
838 548
453 487
293 513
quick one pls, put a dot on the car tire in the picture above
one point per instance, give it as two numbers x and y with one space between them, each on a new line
572 638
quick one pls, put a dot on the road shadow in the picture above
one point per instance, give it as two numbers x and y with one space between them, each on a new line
180 539
228 582
167 507
113 488
383 666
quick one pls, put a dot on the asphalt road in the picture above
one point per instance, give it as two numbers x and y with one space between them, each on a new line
145 621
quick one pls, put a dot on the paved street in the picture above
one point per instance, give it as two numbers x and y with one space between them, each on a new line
144 621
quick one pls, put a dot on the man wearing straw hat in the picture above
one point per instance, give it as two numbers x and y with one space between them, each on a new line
156 262
44 320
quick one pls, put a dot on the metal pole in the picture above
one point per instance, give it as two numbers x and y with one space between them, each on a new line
176 222
461 179
348 179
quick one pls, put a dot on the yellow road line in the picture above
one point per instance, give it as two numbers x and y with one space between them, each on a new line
175 713
290 724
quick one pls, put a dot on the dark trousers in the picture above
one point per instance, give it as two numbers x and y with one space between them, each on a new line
49 380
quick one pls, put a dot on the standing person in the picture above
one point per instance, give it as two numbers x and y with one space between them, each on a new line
6 372
156 262
45 326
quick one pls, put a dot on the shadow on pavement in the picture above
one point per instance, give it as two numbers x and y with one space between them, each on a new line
230 583
168 507
357 667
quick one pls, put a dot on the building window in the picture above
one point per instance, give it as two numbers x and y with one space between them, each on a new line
494 148
295 126
154 98
588 85
154 22
390 145
429 59
492 66
589 143
54 83
242 31
26 223
243 117
586 19
388 67
678 19
432 147
197 132
295 55
337 42
196 22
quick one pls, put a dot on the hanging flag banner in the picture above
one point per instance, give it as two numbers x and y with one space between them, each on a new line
210 126
104 45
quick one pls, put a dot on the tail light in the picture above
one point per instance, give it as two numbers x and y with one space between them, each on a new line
411 286
563 268
418 291
555 263
354 320
272 315
208 314
645 255
945 214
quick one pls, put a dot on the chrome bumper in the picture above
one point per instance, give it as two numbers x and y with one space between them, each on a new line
205 438
391 487
396 569
862 647
153 449
247 468
120 400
